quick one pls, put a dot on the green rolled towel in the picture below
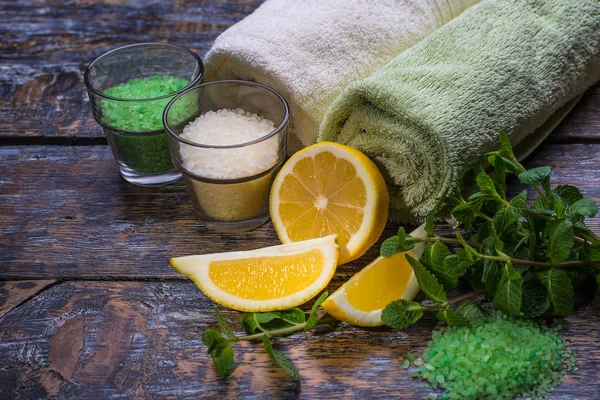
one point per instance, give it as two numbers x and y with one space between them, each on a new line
430 113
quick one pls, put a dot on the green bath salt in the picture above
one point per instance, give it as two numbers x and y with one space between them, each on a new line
138 139
500 359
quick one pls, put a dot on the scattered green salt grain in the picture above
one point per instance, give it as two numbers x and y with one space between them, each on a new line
501 358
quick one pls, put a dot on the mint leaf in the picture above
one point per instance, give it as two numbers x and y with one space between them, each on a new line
389 247
491 269
508 295
466 212
397 244
405 241
430 222
223 325
492 272
499 175
534 176
505 146
465 245
580 225
510 214
474 277
220 351
401 314
451 317
577 276
541 206
434 254
558 206
519 203
314 316
486 185
454 266
433 259
293 316
585 207
535 296
560 290
470 312
281 359
511 164
427 282
591 252
467 256
253 322
569 194
484 231
560 240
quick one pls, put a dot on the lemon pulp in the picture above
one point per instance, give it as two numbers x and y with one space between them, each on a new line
239 277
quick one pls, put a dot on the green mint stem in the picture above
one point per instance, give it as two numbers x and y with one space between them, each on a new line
536 187
484 216
467 296
435 307
283 331
581 235
446 240
442 306
541 193
568 264
587 235
538 215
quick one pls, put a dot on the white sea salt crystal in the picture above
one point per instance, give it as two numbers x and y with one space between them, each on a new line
224 128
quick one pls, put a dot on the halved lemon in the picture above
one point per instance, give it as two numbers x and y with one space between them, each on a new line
272 278
329 188
361 300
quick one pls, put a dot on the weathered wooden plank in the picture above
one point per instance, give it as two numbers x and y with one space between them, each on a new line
46 46
128 339
583 122
65 212
13 293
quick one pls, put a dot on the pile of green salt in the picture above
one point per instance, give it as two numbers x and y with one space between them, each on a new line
148 153
500 359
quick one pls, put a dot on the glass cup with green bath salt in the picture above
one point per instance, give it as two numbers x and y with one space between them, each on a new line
229 151
129 88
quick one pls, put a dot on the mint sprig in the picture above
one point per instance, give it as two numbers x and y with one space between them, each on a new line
526 259
261 327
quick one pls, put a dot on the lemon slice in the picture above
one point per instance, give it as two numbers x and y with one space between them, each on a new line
361 300
272 278
329 188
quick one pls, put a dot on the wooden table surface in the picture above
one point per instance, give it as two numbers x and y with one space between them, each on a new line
90 308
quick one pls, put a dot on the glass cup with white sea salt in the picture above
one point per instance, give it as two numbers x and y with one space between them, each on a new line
229 151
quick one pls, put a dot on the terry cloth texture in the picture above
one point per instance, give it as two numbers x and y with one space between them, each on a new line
310 50
430 113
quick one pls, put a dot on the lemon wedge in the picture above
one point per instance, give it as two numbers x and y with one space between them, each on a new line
272 278
361 300
329 188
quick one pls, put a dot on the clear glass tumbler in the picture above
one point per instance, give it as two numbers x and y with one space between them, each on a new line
229 184
130 110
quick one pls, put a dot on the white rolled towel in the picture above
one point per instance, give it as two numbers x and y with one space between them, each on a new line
310 50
